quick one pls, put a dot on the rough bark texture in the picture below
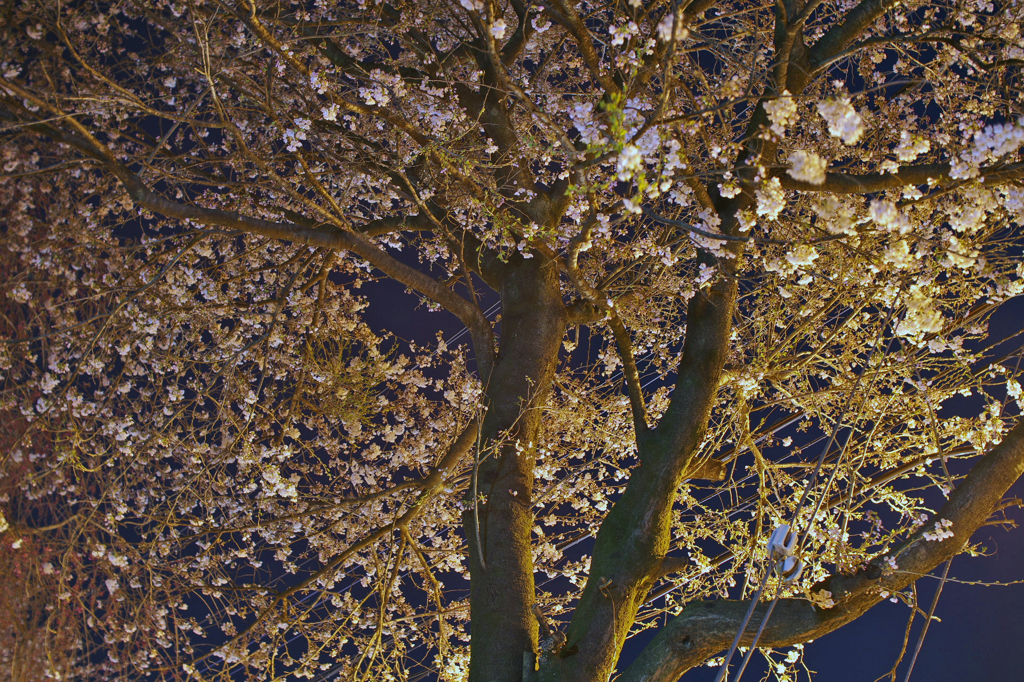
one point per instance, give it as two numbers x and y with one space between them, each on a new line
502 589
629 553
634 538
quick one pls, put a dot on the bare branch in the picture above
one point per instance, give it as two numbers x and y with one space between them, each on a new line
629 371
839 37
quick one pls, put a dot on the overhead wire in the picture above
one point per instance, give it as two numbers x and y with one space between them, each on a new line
796 517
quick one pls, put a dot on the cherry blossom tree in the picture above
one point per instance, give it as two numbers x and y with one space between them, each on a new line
698 271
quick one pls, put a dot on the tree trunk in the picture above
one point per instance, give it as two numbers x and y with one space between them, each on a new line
498 526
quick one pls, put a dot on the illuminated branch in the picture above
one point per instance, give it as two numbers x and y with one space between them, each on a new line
706 628
923 174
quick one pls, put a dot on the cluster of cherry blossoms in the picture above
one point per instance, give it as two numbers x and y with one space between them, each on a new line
207 417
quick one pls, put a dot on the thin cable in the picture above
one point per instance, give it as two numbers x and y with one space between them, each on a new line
796 517
743 626
760 629
928 620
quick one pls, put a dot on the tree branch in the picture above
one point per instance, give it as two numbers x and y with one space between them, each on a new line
739 238
634 537
324 236
570 19
705 628
846 183
839 37
629 371
708 323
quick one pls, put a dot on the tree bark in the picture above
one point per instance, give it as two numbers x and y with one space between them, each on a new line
499 521
634 538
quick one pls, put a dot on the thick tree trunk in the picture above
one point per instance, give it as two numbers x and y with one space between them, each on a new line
498 526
